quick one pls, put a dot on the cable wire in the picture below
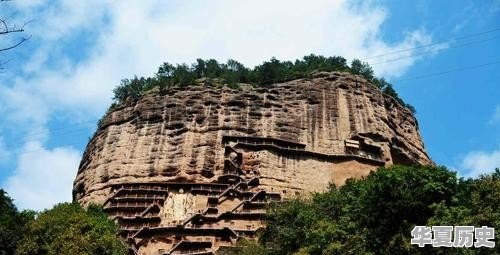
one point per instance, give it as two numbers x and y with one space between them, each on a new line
288 78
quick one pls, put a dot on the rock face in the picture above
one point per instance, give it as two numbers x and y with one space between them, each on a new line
191 170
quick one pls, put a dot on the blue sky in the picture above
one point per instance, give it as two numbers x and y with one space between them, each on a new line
55 87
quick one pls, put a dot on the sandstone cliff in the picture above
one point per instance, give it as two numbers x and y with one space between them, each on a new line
293 138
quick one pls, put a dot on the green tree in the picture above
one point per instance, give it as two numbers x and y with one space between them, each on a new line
477 203
362 68
390 201
213 69
232 73
288 224
337 63
270 72
183 75
244 247
165 76
12 224
373 215
381 83
129 89
69 229
200 68
389 90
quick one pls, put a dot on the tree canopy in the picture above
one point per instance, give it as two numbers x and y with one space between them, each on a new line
375 215
232 73
70 229
12 224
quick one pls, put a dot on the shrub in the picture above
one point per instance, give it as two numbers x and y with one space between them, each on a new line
232 73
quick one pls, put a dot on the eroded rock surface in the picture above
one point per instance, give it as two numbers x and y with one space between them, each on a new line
252 144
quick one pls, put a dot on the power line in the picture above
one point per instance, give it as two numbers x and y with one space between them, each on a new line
387 61
401 80
448 71
430 52
413 48
435 43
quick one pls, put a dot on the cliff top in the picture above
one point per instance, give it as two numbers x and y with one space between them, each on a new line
234 74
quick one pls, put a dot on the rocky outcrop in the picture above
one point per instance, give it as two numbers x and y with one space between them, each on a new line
263 143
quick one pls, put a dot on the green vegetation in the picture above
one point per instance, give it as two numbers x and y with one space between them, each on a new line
12 224
375 215
232 73
69 229
243 247
65 229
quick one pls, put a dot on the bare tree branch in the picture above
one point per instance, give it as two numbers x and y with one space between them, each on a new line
12 29
6 29
24 39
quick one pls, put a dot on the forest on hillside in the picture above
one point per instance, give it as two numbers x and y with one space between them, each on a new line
369 216
67 228
233 73
376 214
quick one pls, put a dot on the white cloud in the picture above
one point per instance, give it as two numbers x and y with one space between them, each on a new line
480 162
142 34
43 177
20 105
135 37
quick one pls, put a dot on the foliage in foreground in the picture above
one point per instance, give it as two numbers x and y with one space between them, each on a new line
69 229
232 73
12 224
375 215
